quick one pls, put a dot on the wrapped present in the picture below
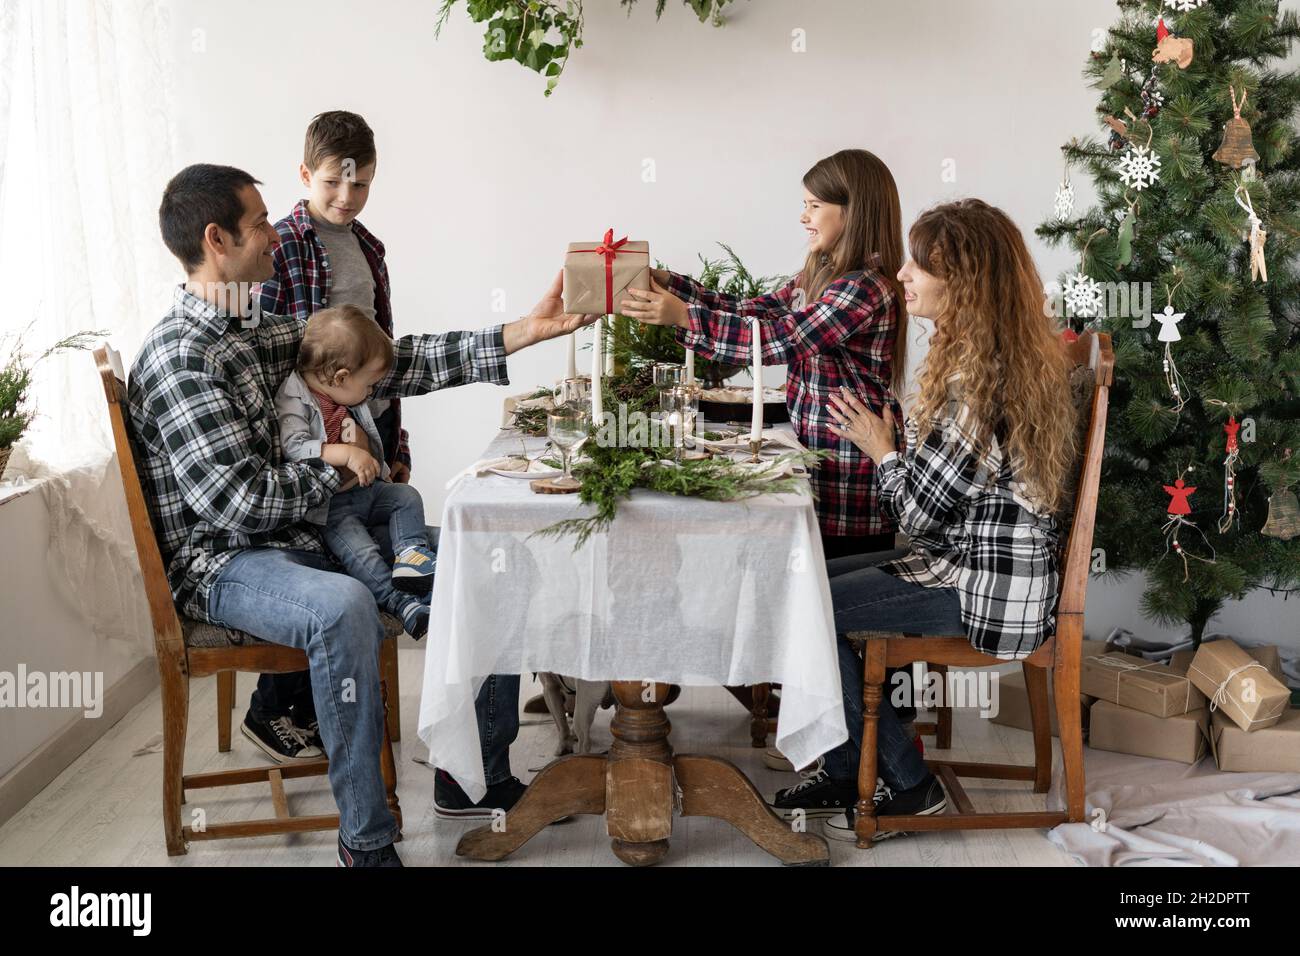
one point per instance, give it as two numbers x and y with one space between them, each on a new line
1275 748
1148 686
1013 696
597 275
1266 654
1124 730
1238 685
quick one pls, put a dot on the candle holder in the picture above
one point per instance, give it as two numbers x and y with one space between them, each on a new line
754 447
573 391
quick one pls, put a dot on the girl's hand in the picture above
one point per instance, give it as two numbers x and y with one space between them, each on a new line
656 306
873 434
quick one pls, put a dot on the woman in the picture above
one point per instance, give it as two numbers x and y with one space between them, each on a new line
989 445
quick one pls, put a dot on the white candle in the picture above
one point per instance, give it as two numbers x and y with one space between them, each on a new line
756 370
609 356
690 367
572 371
597 366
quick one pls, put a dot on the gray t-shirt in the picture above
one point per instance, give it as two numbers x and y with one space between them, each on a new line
351 281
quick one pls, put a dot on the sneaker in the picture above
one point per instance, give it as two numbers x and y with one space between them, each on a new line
925 799
413 570
310 733
279 739
773 759
840 826
450 802
383 856
415 619
816 795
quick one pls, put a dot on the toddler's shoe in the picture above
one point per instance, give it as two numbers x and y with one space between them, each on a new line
413 570
415 618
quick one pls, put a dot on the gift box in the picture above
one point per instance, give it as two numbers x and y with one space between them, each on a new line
1148 686
1238 685
1124 730
1275 748
1266 654
1013 696
597 275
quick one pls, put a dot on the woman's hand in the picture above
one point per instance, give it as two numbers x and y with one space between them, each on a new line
656 306
872 434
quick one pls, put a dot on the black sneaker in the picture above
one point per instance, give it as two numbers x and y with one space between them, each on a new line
450 802
383 856
415 618
925 799
817 795
279 739
311 733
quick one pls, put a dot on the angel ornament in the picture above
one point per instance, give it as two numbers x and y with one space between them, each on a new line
1256 236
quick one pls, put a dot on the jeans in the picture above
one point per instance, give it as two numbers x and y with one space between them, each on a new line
348 537
867 598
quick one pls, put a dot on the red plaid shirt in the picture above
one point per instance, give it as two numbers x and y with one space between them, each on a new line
301 287
846 338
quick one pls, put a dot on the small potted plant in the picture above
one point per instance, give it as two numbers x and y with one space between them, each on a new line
16 410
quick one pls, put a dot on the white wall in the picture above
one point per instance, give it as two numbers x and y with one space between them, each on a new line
482 181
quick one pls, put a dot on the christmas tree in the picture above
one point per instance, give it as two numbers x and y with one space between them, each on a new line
1197 221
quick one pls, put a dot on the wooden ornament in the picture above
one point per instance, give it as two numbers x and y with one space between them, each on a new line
1118 125
1238 148
1174 49
1283 516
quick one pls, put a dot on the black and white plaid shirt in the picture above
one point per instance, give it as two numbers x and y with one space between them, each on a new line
973 528
201 397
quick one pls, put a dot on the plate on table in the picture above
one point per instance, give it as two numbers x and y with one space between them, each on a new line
534 468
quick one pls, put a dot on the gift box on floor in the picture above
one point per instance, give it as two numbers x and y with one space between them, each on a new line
1013 696
1266 654
1238 685
1275 748
597 275
1124 730
1148 686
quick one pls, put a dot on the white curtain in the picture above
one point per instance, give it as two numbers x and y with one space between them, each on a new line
86 147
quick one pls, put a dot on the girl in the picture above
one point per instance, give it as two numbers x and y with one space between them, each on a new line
839 323
989 446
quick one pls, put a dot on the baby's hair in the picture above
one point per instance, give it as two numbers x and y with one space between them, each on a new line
342 338
339 135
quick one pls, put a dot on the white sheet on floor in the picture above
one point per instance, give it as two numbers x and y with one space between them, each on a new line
1180 815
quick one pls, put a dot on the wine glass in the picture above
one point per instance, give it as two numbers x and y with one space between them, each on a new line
667 374
566 427
688 405
573 391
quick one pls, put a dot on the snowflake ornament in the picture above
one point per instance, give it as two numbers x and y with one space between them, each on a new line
1139 168
1083 296
1182 6
1064 200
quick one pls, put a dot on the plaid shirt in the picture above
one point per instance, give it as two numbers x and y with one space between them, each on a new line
972 528
201 399
301 287
844 338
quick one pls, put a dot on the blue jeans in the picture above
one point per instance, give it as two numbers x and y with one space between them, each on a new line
867 598
347 534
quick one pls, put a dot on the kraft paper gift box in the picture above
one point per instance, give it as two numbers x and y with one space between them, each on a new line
598 274
1275 748
1266 654
1148 686
1238 685
1124 730
1013 696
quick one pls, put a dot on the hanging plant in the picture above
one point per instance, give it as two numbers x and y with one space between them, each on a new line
541 34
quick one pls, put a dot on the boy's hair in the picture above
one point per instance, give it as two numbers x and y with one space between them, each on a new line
342 338
339 135
196 196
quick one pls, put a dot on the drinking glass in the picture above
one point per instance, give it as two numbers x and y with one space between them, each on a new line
667 374
566 427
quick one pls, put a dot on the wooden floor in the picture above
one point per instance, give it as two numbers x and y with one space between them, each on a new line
105 809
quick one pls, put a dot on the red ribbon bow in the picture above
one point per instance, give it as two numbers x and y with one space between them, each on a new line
609 249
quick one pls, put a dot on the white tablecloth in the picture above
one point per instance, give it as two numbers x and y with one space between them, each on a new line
679 590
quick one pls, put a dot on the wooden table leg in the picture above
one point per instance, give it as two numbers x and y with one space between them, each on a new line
639 780
758 716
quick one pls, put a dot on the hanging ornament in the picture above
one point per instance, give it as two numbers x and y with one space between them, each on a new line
1283 515
1183 5
1084 296
1171 49
1064 206
1139 167
1177 513
1124 239
1113 73
1232 454
1256 236
1238 148
1152 99
1169 334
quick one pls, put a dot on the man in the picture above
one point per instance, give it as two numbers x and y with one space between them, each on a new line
228 507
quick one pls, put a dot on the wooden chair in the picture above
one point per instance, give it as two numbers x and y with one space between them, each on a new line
186 648
1061 652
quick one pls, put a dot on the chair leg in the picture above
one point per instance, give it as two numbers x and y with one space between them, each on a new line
943 721
1041 724
864 822
758 715
225 704
387 766
175 713
388 669
1069 716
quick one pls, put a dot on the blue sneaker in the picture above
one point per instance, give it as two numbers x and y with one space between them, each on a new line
413 570
415 618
